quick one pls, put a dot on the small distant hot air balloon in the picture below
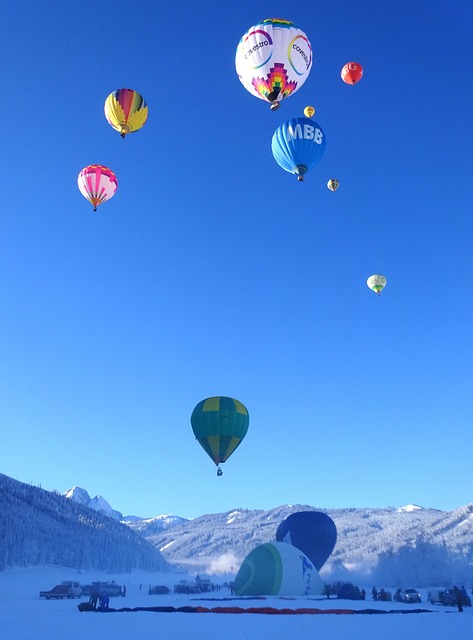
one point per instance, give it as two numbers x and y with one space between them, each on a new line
273 60
126 111
352 73
332 184
298 145
376 283
309 111
97 183
220 424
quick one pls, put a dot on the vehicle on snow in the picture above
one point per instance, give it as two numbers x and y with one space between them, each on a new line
158 589
110 588
409 595
448 598
66 589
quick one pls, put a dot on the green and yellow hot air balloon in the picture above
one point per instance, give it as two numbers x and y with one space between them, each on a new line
220 424
376 283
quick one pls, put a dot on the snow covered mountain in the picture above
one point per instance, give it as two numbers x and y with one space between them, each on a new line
392 546
39 527
397 546
146 526
81 496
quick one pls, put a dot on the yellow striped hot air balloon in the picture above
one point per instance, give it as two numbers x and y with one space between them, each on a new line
126 111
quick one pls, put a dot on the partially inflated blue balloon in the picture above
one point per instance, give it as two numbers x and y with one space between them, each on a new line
313 532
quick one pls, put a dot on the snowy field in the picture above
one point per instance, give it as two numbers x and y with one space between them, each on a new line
26 616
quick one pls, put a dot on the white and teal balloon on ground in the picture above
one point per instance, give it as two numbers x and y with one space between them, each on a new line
277 568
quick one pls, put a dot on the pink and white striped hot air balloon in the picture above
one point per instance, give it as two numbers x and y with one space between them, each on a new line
97 183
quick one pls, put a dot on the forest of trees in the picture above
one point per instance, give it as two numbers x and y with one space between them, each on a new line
41 527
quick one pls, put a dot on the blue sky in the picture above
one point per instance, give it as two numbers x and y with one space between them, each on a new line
214 272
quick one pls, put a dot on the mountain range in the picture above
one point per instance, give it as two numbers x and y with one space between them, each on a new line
393 545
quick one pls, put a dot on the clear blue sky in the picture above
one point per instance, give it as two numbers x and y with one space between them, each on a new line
214 272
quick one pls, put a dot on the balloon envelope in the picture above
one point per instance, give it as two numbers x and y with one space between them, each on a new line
97 184
298 145
277 568
376 283
273 59
313 532
126 110
309 111
220 424
332 184
352 72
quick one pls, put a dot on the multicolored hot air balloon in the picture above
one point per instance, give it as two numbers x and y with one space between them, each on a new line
313 532
298 145
376 283
97 183
277 568
126 111
220 424
273 60
333 184
352 72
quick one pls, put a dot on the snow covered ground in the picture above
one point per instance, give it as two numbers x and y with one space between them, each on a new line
26 616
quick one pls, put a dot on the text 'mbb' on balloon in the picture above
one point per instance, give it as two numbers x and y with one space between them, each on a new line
298 145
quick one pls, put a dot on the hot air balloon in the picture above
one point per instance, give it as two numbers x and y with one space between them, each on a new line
313 532
376 283
332 184
298 145
126 111
276 568
352 72
273 60
309 111
97 183
220 424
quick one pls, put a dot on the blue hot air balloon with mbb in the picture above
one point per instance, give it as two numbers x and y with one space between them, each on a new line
298 145
312 532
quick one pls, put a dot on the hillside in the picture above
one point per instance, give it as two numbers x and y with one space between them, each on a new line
391 545
39 527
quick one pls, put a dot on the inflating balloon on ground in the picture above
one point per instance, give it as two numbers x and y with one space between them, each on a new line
277 568
313 532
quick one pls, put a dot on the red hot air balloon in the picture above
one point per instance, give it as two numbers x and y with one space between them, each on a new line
352 72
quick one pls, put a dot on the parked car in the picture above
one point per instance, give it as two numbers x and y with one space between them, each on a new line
110 588
448 598
64 590
409 595
158 589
